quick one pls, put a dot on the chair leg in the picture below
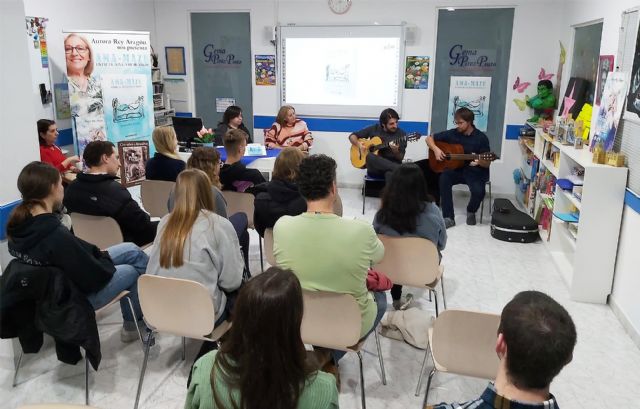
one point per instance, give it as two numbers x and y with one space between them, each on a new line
430 299
133 314
424 363
426 393
261 256
364 193
144 368
364 402
184 348
15 375
444 300
435 301
380 359
86 379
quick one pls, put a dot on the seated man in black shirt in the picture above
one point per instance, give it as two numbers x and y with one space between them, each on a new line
97 193
234 175
388 159
474 174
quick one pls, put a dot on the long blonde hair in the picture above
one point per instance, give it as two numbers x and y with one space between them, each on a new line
207 159
281 118
192 195
164 139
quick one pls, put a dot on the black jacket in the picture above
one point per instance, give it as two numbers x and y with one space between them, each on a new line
41 299
280 199
162 167
223 128
230 175
101 195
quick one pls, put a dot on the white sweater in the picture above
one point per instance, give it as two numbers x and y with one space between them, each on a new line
211 257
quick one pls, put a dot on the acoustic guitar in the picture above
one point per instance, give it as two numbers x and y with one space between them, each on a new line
373 145
455 157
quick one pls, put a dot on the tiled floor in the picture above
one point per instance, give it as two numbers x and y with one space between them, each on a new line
481 274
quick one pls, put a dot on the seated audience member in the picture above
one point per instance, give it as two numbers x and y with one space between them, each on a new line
408 210
234 175
282 197
97 193
325 251
194 243
231 119
36 237
263 363
49 152
535 341
287 130
166 163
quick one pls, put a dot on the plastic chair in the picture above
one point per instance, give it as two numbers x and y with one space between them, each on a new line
155 195
179 307
368 178
412 261
483 201
333 320
268 246
462 342
240 202
123 294
102 231
55 406
337 205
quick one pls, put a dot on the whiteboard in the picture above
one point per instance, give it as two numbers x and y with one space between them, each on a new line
341 71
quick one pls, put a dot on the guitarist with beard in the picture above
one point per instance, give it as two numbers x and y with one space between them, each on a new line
388 159
474 174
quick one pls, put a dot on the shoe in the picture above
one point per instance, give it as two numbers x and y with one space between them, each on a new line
397 304
400 305
471 219
449 222
128 336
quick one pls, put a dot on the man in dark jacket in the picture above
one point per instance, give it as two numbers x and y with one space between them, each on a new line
97 193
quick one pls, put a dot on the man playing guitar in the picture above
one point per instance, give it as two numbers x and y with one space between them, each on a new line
388 159
474 174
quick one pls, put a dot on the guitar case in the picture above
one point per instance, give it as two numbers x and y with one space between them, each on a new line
510 224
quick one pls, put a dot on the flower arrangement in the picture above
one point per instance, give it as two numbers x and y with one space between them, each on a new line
204 135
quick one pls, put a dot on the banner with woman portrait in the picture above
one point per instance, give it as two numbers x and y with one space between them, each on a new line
110 87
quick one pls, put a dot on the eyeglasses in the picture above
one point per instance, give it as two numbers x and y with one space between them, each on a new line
459 122
80 49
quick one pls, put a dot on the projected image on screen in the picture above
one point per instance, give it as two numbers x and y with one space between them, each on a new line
342 71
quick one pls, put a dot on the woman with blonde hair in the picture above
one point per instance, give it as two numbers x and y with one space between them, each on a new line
281 197
165 164
195 243
287 130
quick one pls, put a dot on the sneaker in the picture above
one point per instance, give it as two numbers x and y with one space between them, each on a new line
400 305
449 222
128 336
471 219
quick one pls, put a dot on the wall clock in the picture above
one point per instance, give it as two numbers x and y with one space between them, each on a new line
339 6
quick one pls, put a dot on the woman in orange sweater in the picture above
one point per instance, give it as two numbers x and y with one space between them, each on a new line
49 152
288 131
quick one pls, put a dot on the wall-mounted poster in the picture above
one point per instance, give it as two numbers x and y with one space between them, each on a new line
110 88
610 110
416 72
176 64
633 98
133 156
605 66
265 66
61 94
472 93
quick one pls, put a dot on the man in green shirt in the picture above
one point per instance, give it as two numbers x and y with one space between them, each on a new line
325 251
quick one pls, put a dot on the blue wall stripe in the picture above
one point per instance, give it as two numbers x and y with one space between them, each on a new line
5 212
341 125
632 200
513 131
65 137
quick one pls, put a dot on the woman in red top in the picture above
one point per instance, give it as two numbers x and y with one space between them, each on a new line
49 152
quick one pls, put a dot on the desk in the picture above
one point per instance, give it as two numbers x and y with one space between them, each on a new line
262 163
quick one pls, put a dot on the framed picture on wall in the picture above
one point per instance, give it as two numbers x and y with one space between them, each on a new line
175 61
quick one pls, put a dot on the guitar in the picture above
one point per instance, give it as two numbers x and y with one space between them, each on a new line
455 157
373 145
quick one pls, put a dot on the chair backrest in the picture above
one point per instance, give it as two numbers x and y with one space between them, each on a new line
412 261
337 205
268 246
102 231
155 195
239 202
464 343
176 306
55 406
331 320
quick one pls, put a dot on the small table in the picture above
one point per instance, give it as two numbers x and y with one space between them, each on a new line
263 163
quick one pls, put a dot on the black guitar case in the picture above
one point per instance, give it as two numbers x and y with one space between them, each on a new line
510 224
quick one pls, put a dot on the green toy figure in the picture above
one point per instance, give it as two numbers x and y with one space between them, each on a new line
543 103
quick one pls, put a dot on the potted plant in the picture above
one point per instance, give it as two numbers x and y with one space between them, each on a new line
205 136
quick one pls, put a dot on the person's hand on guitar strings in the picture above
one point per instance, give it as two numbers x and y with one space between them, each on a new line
395 148
474 162
363 149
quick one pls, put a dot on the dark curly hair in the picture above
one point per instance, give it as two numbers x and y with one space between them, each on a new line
316 175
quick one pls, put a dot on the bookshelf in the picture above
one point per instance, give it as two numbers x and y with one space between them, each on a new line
162 112
584 251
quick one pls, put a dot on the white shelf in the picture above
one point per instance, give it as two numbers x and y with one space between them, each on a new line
574 200
549 165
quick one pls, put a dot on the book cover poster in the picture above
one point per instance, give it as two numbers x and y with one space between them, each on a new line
605 66
610 110
133 156
416 72
265 66
472 93
633 98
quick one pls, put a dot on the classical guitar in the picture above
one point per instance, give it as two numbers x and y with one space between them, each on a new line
373 145
455 157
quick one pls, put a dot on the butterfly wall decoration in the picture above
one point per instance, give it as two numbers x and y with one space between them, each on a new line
542 75
520 86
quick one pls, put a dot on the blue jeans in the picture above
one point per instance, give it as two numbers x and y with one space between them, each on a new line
473 178
130 262
380 298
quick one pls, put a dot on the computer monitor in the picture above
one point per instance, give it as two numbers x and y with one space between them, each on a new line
186 128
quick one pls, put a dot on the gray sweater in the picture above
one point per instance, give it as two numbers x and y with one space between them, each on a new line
211 257
430 226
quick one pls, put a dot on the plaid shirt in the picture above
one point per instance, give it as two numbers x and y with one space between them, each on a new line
491 400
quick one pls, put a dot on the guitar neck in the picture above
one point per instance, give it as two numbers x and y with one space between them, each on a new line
462 156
